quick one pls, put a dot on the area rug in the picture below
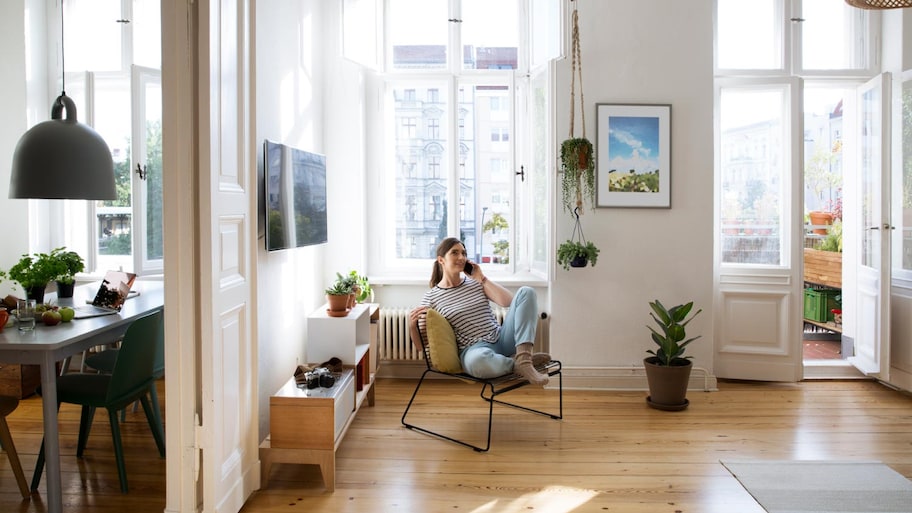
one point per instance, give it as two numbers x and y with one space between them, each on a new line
824 486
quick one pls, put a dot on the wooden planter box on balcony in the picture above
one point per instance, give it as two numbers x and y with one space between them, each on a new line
823 267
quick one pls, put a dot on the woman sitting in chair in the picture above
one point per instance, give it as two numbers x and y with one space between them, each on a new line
461 293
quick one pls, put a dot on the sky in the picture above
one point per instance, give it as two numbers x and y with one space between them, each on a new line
633 143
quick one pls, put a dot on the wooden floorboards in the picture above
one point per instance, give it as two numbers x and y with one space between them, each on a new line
609 453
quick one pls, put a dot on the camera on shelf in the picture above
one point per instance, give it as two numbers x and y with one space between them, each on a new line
320 377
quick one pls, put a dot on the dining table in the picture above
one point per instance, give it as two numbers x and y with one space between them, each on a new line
47 345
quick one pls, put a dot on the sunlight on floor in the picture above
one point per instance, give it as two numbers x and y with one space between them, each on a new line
554 499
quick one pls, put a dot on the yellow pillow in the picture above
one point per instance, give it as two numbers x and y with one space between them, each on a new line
442 343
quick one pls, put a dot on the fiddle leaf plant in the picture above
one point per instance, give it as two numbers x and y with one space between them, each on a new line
671 340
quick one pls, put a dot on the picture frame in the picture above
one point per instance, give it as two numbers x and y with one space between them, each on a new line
633 155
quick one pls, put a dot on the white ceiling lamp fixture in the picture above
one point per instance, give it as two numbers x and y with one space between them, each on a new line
62 158
880 4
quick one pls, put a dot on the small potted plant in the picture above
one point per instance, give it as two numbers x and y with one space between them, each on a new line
33 273
361 286
337 296
577 254
668 370
68 263
578 178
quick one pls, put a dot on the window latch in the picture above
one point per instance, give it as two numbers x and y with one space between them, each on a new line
141 171
521 173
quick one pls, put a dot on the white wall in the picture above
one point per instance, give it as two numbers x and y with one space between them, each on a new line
651 52
23 103
289 109
307 97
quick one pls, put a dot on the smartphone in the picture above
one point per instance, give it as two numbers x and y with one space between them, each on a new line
468 268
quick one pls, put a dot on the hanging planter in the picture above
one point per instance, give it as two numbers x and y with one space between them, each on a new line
577 252
576 153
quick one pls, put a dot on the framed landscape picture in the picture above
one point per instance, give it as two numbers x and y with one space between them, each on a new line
633 155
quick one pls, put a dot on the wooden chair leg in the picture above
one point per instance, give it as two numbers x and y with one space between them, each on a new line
7 440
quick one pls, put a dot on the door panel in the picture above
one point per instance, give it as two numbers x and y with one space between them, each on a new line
870 211
758 251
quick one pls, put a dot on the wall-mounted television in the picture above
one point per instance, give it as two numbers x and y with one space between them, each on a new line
295 189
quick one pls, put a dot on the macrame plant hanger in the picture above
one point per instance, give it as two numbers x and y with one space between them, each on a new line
577 70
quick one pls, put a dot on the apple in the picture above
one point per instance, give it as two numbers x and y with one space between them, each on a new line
51 317
66 314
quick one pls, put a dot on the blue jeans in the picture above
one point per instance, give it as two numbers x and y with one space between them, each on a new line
485 359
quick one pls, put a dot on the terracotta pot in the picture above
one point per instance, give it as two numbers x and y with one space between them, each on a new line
337 303
820 219
668 383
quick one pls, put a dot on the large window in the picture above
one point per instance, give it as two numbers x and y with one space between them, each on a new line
772 56
452 122
113 75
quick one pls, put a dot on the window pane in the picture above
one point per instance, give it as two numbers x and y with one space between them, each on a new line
752 161
114 217
489 161
749 34
152 185
907 175
146 25
834 36
418 32
92 35
421 170
869 163
490 34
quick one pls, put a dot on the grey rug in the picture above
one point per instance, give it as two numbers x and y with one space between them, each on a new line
824 486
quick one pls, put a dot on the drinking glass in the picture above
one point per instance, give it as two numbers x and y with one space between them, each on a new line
25 314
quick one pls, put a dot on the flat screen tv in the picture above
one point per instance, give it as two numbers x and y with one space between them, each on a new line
295 188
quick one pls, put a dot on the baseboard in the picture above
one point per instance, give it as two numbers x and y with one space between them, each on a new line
581 378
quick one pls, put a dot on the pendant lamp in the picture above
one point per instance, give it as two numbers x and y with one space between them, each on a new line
62 158
880 4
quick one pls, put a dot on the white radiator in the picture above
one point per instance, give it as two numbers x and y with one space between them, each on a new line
394 334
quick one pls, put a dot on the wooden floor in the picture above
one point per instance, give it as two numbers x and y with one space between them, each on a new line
609 453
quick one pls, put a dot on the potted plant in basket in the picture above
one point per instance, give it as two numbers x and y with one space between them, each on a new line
668 370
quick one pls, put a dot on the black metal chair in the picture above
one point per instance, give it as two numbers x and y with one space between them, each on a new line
491 389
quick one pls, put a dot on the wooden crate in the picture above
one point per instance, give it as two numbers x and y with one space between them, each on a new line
823 267
19 380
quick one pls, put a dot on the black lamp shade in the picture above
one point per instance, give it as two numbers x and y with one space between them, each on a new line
62 159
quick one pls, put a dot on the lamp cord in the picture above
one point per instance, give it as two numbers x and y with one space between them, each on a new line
62 55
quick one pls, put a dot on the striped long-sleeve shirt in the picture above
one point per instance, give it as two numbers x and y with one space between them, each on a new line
467 309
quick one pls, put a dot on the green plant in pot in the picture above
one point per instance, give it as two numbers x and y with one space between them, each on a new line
668 370
361 286
68 263
337 296
578 177
577 254
577 251
33 273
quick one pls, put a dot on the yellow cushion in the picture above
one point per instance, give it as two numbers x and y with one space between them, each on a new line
442 343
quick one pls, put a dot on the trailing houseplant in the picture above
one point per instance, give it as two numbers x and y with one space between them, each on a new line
577 251
576 153
668 369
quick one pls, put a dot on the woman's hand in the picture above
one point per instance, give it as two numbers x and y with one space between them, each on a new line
415 335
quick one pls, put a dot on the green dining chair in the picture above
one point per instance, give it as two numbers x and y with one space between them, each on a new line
131 379
103 361
7 405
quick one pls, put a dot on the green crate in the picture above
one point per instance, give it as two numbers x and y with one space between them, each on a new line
818 304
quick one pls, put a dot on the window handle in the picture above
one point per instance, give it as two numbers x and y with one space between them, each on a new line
521 173
141 171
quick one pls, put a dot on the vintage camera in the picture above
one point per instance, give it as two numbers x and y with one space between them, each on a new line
324 377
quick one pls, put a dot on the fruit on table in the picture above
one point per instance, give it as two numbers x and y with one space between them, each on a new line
66 314
51 317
